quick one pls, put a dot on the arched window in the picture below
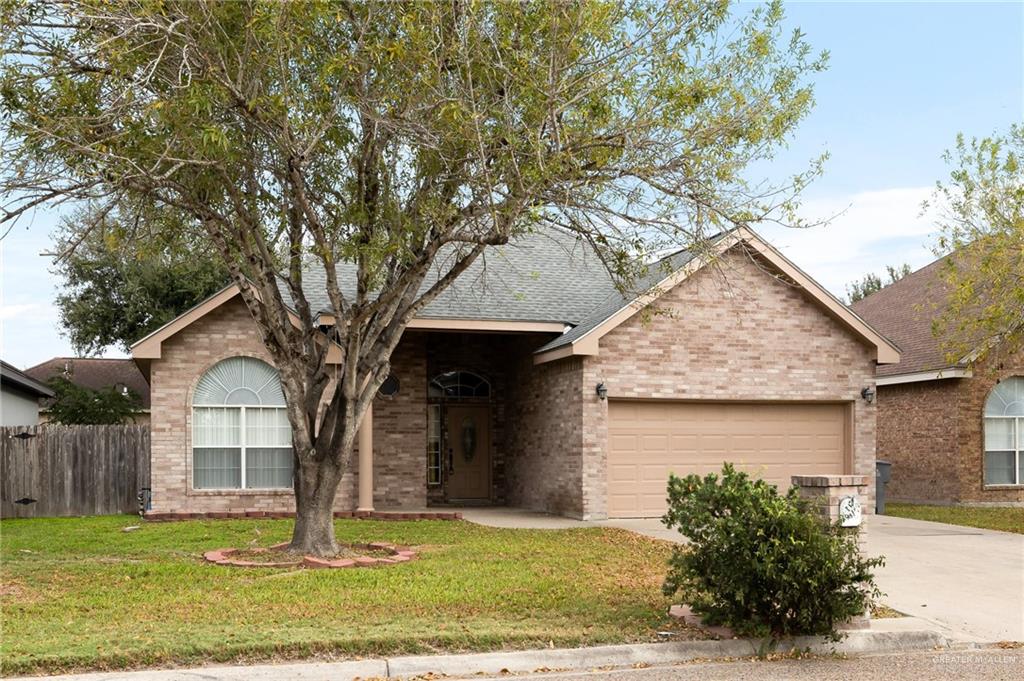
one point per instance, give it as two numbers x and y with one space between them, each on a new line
458 384
241 438
1004 433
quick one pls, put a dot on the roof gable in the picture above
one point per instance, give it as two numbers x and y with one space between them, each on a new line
583 339
550 282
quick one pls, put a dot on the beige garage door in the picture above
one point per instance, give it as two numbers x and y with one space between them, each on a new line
648 440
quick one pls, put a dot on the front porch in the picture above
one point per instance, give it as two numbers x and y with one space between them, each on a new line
455 424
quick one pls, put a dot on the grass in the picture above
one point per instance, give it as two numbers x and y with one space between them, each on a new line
79 593
881 611
988 518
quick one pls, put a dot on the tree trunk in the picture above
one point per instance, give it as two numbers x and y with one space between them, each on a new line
316 483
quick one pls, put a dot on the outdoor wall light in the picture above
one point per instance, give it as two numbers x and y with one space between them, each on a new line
602 391
868 394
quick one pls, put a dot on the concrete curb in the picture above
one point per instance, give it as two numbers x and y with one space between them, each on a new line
653 654
525 661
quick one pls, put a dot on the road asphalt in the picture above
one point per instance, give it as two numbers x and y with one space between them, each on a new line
946 665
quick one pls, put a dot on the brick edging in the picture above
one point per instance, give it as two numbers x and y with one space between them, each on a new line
347 515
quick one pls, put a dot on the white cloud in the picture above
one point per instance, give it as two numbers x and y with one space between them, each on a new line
869 230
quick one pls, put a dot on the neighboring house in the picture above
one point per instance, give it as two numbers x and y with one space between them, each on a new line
19 397
534 382
97 374
953 430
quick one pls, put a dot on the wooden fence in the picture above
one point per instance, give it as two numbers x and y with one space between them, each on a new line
72 470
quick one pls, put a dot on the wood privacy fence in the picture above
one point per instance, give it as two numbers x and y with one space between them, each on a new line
72 470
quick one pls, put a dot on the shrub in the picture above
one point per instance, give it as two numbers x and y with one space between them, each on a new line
762 563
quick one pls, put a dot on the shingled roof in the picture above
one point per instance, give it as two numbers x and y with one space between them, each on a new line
904 312
22 381
95 374
544 276
548 278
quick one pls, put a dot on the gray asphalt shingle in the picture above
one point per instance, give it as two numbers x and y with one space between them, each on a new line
544 276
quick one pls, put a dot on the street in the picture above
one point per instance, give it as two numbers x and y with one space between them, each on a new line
975 665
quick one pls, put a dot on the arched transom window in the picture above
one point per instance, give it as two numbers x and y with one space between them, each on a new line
458 384
1004 433
241 438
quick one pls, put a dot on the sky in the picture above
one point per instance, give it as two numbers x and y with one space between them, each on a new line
903 80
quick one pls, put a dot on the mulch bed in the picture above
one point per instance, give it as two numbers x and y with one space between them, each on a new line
353 555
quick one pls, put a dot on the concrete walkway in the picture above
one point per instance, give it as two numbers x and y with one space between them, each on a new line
517 518
968 583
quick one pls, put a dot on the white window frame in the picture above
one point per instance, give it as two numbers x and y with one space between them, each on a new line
1005 400
435 439
1017 423
243 446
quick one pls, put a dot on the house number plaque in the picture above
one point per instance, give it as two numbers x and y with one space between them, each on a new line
849 511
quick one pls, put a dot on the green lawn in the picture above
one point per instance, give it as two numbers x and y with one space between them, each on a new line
1005 519
79 593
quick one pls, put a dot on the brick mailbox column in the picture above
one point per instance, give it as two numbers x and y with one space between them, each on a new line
830 491
832 495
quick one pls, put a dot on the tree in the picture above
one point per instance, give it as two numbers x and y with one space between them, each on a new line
404 139
982 223
117 287
75 404
872 283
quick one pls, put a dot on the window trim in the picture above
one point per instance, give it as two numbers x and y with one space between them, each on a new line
1018 422
435 408
243 446
432 382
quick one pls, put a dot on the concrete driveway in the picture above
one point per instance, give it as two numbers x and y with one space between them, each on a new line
968 583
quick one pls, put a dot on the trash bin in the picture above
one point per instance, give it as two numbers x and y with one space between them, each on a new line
883 473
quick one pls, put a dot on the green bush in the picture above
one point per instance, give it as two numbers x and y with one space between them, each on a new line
762 563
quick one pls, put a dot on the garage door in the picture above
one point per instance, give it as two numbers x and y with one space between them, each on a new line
648 440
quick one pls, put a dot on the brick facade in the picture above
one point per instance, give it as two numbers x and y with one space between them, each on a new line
399 423
933 433
546 442
737 332
733 333
917 433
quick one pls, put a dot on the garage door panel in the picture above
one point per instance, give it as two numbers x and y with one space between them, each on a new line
648 440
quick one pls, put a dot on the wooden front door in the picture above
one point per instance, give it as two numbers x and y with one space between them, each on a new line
469 452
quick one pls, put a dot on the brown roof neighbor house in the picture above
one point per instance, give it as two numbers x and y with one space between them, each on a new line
952 428
97 373
533 382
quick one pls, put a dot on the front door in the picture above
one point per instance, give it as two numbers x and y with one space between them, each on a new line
469 452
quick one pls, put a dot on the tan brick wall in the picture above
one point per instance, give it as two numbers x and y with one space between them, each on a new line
399 424
917 433
400 433
747 336
544 467
735 332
